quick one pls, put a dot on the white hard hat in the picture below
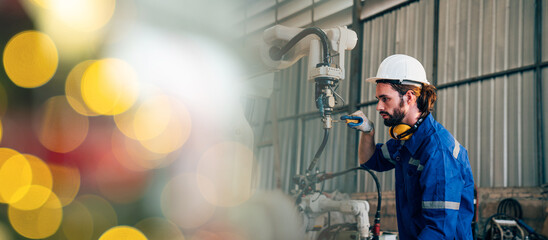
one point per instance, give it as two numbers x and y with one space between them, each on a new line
405 69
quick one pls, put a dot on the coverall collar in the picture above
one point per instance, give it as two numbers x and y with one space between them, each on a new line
422 133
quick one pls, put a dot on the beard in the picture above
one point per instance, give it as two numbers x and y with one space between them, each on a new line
396 118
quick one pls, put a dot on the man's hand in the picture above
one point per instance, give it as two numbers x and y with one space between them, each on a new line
359 121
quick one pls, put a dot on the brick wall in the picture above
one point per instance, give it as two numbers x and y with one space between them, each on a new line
533 203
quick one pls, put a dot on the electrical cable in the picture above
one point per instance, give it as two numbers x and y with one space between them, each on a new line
277 55
320 150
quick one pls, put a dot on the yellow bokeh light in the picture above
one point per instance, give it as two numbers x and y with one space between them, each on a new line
152 117
15 174
183 203
84 15
41 174
38 223
35 195
60 128
77 222
102 213
228 166
175 134
132 155
124 122
30 59
109 86
66 182
123 233
159 229
146 120
73 89
42 3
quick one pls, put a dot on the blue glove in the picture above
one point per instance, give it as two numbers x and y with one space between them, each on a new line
358 121
352 121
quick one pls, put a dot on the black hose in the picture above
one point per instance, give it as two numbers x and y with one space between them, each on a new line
277 55
332 175
511 207
379 194
320 150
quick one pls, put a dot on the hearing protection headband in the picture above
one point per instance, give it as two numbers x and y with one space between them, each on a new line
403 131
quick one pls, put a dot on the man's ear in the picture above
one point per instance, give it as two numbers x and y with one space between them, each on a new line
409 97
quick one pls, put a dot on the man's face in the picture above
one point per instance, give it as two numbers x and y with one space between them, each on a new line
391 106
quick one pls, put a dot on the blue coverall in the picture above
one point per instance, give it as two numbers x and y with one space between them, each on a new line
434 183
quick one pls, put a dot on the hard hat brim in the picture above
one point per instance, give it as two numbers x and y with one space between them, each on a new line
373 79
397 81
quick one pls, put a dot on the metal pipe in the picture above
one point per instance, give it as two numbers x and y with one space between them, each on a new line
355 83
539 92
435 47
492 75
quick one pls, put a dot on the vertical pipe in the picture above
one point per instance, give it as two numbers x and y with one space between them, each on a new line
538 93
354 95
435 48
297 150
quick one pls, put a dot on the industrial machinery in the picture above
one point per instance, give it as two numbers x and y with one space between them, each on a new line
507 223
325 50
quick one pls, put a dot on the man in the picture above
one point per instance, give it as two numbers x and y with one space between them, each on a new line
434 183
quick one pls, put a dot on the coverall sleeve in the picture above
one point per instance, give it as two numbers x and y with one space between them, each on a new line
381 160
442 185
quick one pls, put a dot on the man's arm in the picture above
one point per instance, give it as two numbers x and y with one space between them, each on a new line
366 147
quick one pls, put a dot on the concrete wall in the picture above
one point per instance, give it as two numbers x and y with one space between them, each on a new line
533 203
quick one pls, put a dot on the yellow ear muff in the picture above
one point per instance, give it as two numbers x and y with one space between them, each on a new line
400 132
